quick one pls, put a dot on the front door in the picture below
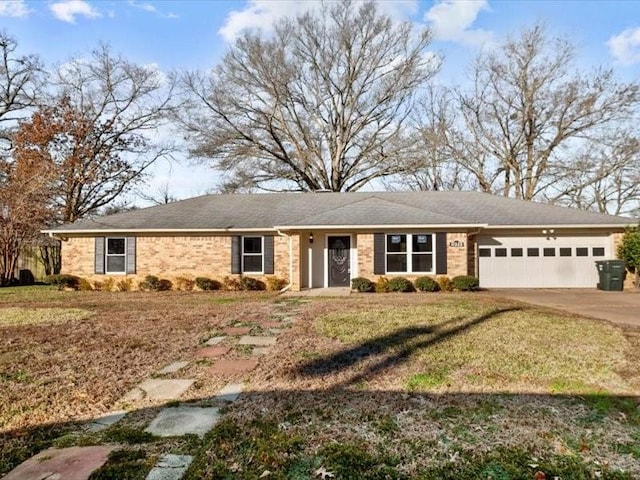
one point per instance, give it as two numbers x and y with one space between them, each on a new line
339 263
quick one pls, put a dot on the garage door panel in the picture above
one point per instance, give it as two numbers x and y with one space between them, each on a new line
540 262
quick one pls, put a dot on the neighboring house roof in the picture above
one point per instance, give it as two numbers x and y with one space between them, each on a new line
268 211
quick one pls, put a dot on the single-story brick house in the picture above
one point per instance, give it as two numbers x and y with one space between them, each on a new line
319 240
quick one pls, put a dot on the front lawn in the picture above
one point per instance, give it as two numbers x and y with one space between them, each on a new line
436 387
388 386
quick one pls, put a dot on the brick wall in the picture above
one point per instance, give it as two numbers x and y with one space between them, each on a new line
173 256
457 260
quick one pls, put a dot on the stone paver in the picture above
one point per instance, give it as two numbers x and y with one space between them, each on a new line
75 463
158 389
227 367
177 421
214 341
257 341
212 352
230 392
170 467
260 351
173 367
104 421
235 331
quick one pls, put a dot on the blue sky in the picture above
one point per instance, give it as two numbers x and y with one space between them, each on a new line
194 34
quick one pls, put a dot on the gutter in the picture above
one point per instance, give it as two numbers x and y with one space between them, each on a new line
287 287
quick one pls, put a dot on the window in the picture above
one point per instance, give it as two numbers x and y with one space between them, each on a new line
565 251
252 254
484 252
116 255
533 252
549 252
409 253
516 252
501 252
598 251
582 252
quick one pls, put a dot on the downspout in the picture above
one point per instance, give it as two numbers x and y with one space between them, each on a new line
476 260
287 287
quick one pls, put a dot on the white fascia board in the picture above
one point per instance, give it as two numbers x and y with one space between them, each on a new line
156 230
421 226
555 225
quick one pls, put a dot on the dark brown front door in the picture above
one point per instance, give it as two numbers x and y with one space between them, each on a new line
339 264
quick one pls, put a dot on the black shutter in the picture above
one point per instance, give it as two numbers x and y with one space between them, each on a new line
441 253
131 255
378 254
268 255
99 256
236 254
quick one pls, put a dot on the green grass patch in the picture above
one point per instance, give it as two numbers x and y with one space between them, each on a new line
471 346
125 465
120 434
17 316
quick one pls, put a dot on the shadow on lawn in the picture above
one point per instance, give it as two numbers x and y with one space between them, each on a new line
411 340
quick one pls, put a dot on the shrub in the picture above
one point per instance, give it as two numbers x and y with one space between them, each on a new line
108 284
64 281
84 285
426 284
231 284
250 283
382 285
184 283
445 283
276 284
150 283
124 285
98 286
164 285
465 283
362 284
401 284
204 283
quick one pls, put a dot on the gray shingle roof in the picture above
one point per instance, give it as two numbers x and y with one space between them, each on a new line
269 210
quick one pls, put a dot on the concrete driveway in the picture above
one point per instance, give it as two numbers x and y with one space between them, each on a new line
622 308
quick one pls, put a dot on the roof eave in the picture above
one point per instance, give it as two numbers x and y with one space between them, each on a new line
560 225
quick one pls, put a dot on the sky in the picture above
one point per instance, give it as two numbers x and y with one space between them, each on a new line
186 35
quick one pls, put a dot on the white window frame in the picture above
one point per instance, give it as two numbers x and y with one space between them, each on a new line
107 255
261 255
409 254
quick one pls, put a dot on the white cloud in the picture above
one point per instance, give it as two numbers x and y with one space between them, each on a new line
68 10
150 8
451 20
263 13
13 8
625 47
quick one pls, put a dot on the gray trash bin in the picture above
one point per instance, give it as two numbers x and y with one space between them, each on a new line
611 273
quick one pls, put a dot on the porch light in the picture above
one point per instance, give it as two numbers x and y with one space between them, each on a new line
311 237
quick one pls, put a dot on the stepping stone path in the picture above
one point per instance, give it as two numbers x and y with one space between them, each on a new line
257 341
230 392
177 421
213 352
75 463
158 389
232 367
214 341
104 421
235 331
170 467
173 368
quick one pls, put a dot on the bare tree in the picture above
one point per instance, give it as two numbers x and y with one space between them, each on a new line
20 82
604 176
103 129
320 105
528 104
161 196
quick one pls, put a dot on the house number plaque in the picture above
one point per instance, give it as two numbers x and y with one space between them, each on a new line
456 244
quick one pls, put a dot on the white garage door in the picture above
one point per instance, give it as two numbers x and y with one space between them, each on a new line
540 262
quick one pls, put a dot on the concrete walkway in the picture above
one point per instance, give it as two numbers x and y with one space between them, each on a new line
621 308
